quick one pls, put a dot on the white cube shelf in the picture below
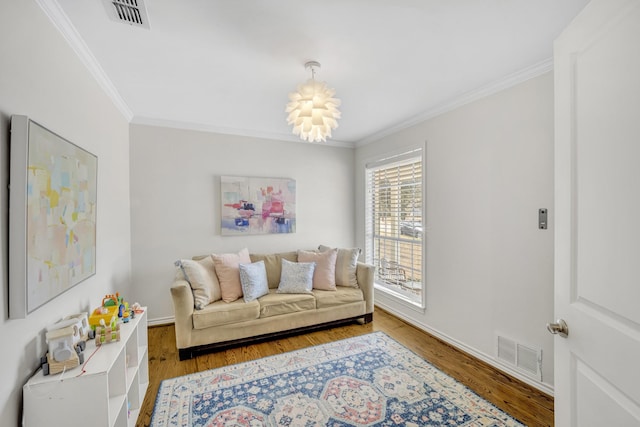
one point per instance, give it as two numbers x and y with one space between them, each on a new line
108 393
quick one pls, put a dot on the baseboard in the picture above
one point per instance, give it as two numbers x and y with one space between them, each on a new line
545 388
159 321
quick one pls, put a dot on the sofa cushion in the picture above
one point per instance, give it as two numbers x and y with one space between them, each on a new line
346 265
222 313
324 275
273 264
253 278
228 272
202 277
342 295
296 278
275 304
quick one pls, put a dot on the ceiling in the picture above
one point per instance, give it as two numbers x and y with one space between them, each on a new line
228 66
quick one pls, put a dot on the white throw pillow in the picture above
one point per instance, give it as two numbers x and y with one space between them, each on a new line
202 277
346 265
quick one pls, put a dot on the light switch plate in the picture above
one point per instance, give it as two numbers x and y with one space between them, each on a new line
542 219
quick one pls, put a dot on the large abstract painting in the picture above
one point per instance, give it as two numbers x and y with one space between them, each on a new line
257 205
53 204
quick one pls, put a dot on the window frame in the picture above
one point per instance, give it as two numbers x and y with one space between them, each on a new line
389 161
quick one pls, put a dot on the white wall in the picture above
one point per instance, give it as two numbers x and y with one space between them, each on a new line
41 77
489 168
175 200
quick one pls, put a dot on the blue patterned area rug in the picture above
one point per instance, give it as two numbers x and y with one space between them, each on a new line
370 380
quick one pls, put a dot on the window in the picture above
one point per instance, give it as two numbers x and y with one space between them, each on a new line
394 235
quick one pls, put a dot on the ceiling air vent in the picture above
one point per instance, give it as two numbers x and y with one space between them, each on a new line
132 12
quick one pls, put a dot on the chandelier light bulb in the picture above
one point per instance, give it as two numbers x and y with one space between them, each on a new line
313 110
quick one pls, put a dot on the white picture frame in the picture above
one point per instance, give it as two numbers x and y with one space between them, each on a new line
52 216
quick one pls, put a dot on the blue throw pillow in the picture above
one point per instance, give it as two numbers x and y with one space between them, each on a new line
296 277
253 278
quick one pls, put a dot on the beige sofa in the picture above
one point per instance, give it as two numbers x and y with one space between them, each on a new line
221 324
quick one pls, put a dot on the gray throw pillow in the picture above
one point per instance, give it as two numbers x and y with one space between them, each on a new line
253 278
296 277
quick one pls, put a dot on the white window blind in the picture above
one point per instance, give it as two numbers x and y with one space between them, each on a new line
394 235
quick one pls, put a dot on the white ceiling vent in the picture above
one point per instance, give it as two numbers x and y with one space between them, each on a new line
132 12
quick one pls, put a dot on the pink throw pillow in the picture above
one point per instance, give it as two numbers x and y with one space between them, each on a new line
324 275
228 272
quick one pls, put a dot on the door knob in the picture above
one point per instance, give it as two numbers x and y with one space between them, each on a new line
559 328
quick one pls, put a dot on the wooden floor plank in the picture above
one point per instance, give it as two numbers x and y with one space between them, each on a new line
527 404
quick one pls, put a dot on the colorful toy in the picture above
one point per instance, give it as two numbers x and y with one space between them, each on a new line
107 334
112 305
117 301
111 300
136 308
102 314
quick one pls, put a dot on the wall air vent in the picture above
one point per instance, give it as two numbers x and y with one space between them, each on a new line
132 12
526 359
506 350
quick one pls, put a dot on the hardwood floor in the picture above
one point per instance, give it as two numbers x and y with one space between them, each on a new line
525 403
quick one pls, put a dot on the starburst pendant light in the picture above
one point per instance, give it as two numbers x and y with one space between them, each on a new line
313 111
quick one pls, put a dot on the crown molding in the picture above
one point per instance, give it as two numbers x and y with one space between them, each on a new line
466 98
61 21
176 124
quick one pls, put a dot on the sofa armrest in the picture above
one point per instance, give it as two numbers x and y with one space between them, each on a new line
183 306
365 275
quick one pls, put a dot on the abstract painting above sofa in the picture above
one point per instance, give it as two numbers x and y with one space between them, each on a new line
253 205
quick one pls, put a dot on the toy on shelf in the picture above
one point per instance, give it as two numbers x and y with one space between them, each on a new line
102 314
112 305
118 301
136 308
66 341
112 300
124 312
106 334
82 326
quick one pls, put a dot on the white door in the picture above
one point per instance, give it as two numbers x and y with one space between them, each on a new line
597 218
